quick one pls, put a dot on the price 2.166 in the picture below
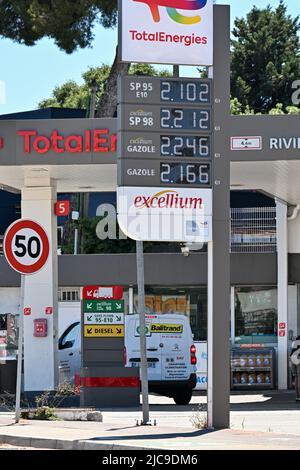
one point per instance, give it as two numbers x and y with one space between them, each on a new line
185 173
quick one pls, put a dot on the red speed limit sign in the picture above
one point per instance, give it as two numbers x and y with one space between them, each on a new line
26 246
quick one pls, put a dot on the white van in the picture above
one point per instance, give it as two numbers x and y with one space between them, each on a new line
171 354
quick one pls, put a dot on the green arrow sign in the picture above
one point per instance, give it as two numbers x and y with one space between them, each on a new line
103 306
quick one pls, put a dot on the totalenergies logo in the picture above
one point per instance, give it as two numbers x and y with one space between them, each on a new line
172 6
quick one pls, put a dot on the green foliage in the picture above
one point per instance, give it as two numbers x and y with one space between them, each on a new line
69 22
236 108
91 243
265 58
279 109
292 110
147 70
72 95
45 413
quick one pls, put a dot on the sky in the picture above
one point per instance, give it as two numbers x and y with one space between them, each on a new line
29 74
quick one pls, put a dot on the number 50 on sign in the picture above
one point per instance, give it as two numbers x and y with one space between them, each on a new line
26 246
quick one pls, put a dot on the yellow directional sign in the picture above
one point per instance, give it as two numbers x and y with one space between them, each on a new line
98 331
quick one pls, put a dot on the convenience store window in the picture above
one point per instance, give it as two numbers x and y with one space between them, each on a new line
188 301
256 315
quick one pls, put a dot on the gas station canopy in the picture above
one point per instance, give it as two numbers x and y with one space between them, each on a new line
79 155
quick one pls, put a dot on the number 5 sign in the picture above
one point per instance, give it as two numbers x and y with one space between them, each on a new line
26 246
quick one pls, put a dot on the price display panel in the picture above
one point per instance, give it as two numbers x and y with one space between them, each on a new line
166 119
188 92
185 146
185 174
156 90
164 173
188 119
156 145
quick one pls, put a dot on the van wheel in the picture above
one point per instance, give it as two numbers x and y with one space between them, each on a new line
183 398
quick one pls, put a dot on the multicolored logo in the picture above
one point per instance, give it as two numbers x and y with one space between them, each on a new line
172 6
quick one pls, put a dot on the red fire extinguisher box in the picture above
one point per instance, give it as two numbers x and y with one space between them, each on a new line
40 328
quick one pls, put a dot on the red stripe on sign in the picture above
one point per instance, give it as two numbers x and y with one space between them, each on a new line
132 382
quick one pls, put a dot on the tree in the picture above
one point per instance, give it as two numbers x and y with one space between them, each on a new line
72 95
70 23
265 58
265 53
236 109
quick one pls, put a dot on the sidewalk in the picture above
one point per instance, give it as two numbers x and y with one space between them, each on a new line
126 436
276 414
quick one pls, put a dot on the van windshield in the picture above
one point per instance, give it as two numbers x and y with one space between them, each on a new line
68 338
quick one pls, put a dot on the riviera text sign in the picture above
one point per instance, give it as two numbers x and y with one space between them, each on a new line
167 31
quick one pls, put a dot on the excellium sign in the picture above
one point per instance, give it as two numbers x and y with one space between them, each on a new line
167 31
157 214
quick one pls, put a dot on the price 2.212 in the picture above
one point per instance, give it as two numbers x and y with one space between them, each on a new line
188 119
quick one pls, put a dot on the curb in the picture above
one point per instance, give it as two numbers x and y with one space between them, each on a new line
64 444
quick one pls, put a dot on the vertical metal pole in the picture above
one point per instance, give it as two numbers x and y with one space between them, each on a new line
232 312
143 345
218 252
210 329
282 292
219 256
130 301
210 320
20 354
76 241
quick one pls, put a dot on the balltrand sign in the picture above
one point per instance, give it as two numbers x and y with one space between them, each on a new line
58 142
158 214
167 31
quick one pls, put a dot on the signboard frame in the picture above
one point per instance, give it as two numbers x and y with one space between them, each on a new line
181 32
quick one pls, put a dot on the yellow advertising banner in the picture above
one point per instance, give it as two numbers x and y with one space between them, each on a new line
98 331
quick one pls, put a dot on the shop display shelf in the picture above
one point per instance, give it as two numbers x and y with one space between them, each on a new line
257 374
252 368
263 385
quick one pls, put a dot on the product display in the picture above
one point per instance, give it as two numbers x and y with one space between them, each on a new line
252 368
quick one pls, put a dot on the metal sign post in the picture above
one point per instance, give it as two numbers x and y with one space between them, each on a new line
173 158
143 340
20 355
26 248
218 331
